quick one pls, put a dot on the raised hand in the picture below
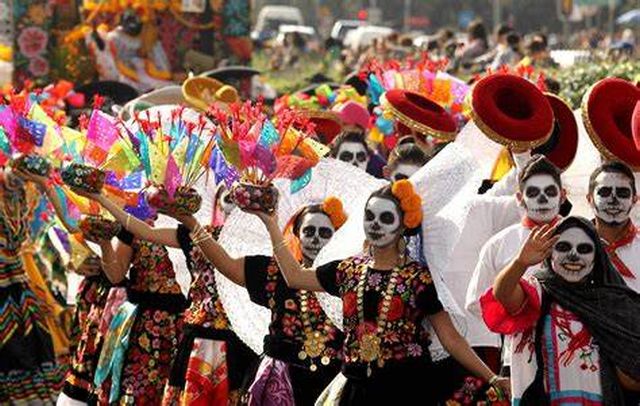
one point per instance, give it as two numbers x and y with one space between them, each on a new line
538 245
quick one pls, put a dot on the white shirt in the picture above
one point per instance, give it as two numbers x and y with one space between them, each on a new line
495 255
487 216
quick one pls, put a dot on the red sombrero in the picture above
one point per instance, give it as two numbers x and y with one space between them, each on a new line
607 111
328 124
511 111
562 145
419 114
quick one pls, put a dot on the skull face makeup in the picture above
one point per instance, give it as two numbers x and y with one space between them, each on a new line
573 255
315 232
612 198
226 204
541 198
381 221
354 153
403 171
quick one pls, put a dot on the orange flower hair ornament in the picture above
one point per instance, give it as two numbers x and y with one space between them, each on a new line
410 202
332 207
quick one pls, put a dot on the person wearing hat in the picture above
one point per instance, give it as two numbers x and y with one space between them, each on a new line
426 121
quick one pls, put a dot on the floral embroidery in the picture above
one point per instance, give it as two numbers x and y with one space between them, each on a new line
404 336
579 343
206 308
152 270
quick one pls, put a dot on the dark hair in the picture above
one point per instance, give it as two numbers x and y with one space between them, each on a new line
351 136
613 167
386 193
409 154
553 86
536 46
539 165
503 29
309 209
477 30
513 40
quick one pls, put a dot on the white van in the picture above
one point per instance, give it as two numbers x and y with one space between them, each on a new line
270 18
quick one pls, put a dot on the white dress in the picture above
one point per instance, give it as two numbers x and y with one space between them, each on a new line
571 372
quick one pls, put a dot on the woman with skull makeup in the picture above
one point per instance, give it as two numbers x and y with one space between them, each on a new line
385 300
302 349
352 148
575 323
29 368
612 196
404 160
207 338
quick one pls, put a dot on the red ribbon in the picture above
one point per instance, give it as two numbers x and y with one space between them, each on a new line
530 224
611 249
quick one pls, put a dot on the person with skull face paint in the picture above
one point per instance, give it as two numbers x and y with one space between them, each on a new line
207 336
404 161
302 349
612 196
576 322
352 148
385 300
540 195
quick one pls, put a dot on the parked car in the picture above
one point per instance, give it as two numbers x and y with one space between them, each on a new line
342 27
305 33
270 18
364 36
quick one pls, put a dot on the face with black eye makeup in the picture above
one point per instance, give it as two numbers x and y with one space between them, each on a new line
612 198
573 255
382 221
541 197
315 232
354 153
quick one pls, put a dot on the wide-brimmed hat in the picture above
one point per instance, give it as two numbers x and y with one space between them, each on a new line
201 92
419 114
562 145
512 111
607 114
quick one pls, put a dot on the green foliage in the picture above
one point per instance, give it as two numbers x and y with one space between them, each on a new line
576 80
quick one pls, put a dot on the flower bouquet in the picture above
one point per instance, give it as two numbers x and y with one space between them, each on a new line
174 146
252 151
32 163
97 228
83 177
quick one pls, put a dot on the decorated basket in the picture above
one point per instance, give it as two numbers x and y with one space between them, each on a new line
32 163
248 196
97 228
202 92
83 177
186 201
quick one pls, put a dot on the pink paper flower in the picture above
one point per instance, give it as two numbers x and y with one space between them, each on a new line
39 66
32 42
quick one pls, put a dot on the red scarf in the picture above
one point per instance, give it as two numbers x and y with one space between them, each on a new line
530 224
627 238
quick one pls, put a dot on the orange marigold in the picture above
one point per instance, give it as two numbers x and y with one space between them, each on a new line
412 219
333 208
401 189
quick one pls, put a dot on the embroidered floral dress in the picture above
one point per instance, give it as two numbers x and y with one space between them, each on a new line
157 328
404 374
87 341
571 369
209 350
28 371
295 315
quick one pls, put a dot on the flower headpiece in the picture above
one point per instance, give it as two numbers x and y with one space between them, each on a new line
332 207
410 202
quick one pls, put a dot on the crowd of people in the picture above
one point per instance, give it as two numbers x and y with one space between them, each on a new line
360 244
